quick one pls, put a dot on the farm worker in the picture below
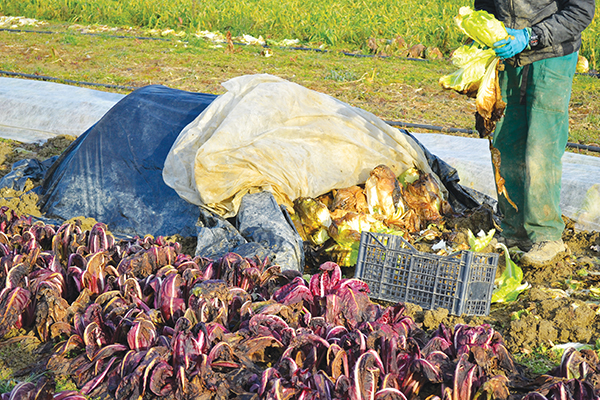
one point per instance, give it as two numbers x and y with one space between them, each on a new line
539 56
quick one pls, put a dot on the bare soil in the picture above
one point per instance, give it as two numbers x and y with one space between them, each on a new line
558 308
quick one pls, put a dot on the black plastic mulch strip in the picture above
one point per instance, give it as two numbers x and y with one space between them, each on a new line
85 33
53 79
430 127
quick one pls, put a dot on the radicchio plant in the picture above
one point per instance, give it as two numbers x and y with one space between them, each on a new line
340 301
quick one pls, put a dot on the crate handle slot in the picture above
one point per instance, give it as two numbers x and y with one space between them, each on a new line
376 239
408 244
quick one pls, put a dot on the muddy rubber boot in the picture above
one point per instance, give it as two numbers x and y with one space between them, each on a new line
543 253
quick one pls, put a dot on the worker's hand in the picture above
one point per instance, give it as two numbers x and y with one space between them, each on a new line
514 44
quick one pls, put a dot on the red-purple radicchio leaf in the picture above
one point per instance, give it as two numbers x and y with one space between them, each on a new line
69 395
94 339
324 282
346 304
355 344
171 302
133 384
367 370
187 347
130 361
267 377
17 276
45 278
464 377
94 276
293 292
142 334
23 390
308 345
437 344
570 364
13 303
92 384
98 239
390 394
343 387
337 361
534 396
466 337
280 391
334 333
287 368
221 356
271 325
109 351
161 380
335 311
75 267
582 390
494 388
321 386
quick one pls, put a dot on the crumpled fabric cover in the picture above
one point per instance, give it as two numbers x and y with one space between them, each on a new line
267 133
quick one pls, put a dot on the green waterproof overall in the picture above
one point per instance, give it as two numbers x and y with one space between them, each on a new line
531 138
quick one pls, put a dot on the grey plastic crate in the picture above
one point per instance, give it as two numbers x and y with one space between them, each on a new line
395 271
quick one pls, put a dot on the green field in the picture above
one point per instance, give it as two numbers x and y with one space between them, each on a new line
345 24
393 88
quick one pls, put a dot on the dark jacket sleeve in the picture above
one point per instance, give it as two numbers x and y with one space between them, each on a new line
486 5
566 24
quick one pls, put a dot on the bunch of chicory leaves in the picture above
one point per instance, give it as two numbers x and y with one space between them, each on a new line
477 63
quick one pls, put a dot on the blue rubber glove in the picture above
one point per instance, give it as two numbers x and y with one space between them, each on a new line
508 47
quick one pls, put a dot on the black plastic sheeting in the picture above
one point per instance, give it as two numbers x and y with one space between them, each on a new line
459 197
261 220
25 169
263 229
113 171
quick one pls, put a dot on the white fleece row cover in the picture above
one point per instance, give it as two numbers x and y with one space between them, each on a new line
266 133
34 111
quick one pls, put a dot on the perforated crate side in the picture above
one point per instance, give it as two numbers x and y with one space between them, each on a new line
385 272
435 282
461 284
482 272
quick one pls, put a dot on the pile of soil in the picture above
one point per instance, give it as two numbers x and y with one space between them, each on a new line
561 306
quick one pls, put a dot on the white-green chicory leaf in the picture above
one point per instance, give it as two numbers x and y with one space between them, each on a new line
472 62
509 285
480 26
481 241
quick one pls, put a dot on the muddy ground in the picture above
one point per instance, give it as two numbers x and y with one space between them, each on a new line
561 306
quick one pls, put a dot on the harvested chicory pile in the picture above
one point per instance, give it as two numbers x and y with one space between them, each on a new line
471 62
485 30
411 205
